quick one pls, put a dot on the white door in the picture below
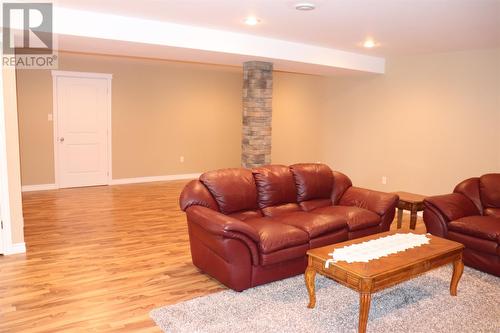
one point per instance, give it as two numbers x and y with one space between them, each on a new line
82 116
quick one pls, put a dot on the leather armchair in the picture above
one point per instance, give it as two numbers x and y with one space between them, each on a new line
470 215
249 227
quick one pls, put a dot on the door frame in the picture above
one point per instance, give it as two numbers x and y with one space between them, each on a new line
56 74
5 233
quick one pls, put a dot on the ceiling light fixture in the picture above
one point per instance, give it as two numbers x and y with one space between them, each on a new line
305 6
252 20
369 43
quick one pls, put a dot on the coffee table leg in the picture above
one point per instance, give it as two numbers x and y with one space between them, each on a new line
310 276
364 309
458 269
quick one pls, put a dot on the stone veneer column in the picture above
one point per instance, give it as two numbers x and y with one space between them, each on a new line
257 113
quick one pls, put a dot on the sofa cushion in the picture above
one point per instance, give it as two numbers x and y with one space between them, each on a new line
315 203
275 185
485 227
276 236
281 209
313 181
314 224
283 255
233 189
365 232
489 188
357 218
477 244
246 214
336 236
495 212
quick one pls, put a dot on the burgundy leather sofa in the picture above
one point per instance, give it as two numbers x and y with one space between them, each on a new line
250 227
471 216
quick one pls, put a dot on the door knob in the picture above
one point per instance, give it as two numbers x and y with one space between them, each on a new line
61 139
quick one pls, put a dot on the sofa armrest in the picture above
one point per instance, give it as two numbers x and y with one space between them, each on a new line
441 209
381 203
435 222
375 201
212 223
451 206
219 224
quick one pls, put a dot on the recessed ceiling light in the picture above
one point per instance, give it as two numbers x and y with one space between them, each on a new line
252 20
305 6
369 43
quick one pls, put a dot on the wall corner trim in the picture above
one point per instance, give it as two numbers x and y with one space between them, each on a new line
15 248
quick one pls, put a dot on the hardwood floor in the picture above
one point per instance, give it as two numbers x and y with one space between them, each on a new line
99 259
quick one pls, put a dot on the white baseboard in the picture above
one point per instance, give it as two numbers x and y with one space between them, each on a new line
44 187
154 179
39 187
15 249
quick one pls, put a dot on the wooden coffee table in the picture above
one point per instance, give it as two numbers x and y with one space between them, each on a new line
378 274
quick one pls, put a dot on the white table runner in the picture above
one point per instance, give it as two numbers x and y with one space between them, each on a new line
377 248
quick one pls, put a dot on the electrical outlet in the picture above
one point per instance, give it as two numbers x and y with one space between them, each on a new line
181 159
384 180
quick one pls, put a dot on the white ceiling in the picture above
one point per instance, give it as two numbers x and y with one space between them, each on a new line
127 35
401 27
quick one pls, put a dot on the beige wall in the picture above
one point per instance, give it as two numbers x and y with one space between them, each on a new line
34 94
160 111
298 104
428 123
12 156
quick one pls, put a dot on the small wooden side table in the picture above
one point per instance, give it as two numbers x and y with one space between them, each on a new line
412 202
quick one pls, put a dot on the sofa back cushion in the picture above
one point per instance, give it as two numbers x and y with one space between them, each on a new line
489 189
470 188
276 189
233 189
313 181
195 193
341 183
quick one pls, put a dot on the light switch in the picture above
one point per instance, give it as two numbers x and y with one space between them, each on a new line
49 117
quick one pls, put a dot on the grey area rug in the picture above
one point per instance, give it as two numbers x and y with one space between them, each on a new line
423 304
